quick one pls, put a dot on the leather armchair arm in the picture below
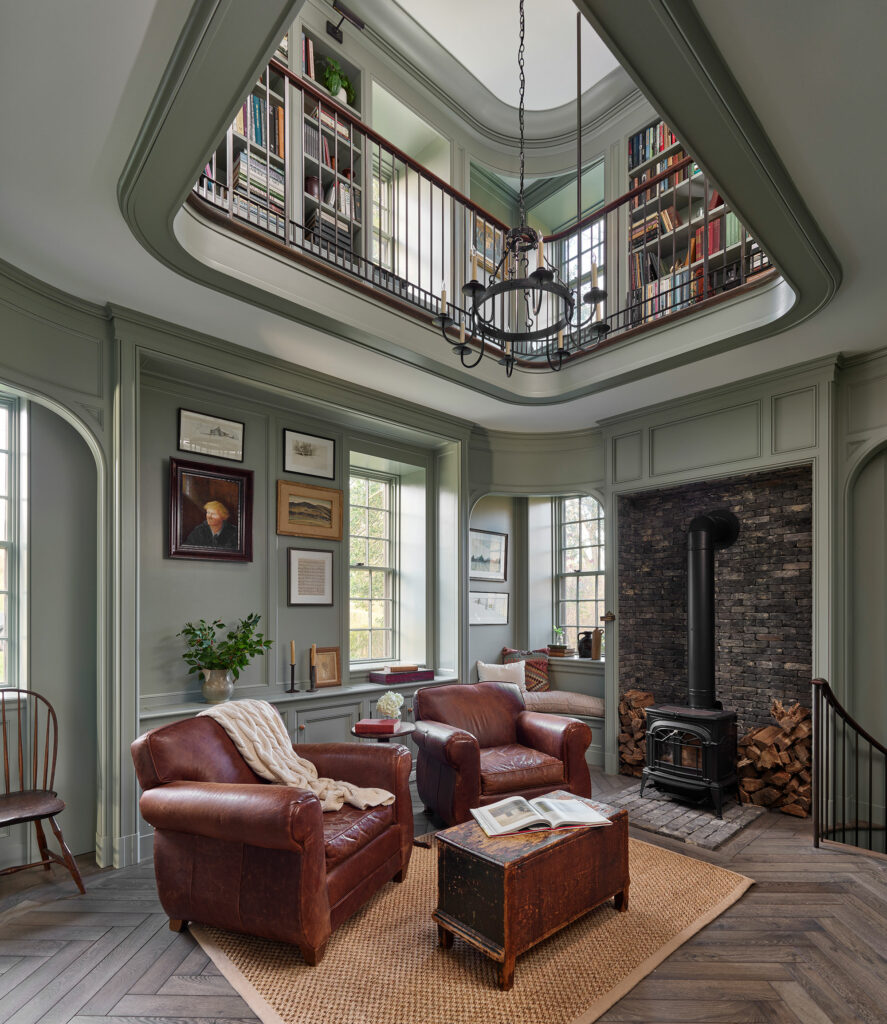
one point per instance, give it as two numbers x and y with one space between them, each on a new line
554 735
274 817
447 744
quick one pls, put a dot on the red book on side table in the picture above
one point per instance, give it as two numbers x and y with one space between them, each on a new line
376 726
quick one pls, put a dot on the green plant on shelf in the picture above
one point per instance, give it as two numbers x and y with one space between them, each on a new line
334 78
234 652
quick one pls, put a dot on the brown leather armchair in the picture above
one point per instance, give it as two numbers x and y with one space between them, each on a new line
477 744
238 852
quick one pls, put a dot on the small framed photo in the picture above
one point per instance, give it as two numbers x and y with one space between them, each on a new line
210 512
486 609
309 577
309 455
488 556
202 434
304 510
327 667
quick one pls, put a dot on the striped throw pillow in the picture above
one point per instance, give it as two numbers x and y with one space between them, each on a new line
535 666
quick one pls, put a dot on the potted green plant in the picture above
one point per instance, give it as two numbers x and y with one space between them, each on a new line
336 81
557 646
220 659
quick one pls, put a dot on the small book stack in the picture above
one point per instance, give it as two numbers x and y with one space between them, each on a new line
376 726
401 674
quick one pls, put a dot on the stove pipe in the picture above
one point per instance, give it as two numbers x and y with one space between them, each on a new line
706 534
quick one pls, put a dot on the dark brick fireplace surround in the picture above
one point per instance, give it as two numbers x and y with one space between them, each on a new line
763 591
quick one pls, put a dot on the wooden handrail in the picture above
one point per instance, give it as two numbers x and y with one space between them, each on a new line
380 140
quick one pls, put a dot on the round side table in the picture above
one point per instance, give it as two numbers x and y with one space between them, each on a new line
401 729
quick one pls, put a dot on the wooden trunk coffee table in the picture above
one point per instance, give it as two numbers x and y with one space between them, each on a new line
505 894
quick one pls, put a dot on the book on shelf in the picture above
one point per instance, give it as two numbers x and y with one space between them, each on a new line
251 173
312 141
516 814
376 726
417 675
732 230
307 56
258 213
253 123
715 199
283 49
330 121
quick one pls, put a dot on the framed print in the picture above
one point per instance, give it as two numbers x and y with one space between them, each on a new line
487 244
309 577
487 609
327 666
202 434
487 555
210 512
304 510
309 455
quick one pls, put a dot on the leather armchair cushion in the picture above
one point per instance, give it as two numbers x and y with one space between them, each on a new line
565 702
511 768
350 829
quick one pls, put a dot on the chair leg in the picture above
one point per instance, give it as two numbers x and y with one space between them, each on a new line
176 925
66 853
41 844
312 955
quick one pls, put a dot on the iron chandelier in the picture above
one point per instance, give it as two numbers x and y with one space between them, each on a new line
539 301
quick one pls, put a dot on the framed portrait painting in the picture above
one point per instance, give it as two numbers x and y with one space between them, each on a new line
210 512
202 434
304 510
488 555
309 576
487 609
309 455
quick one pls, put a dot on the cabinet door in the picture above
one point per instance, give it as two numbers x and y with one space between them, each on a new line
328 724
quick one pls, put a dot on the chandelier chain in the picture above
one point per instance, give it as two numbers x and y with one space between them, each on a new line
520 64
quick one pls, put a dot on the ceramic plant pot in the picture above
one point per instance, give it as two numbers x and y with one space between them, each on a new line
218 685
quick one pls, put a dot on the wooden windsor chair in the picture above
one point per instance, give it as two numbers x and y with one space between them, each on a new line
29 740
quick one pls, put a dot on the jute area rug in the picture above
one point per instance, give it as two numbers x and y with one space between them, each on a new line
384 966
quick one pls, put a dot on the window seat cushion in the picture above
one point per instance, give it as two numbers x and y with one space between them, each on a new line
564 702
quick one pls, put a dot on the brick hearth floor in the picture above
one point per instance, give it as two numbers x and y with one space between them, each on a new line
657 812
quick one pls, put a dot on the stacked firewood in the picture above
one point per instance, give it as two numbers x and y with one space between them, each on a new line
632 734
774 762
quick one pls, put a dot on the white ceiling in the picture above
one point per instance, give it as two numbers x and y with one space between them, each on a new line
814 72
483 36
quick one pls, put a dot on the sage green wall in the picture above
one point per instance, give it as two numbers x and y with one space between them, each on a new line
62 599
485 643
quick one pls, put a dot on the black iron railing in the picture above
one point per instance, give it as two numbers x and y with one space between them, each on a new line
341 198
849 777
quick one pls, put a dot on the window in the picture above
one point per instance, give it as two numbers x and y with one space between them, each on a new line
579 557
373 567
583 266
9 535
383 225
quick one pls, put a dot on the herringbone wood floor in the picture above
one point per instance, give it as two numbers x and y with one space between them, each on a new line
806 945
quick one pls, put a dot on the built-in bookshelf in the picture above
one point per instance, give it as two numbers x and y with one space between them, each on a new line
247 173
332 149
684 242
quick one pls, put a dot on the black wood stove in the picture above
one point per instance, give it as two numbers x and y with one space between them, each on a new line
691 751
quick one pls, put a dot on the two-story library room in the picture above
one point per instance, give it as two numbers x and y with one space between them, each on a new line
443 476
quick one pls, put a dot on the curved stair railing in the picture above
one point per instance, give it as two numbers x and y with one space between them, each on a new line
849 777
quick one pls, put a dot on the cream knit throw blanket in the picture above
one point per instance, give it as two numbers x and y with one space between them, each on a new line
258 732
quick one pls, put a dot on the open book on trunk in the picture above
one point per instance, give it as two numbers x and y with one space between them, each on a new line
515 814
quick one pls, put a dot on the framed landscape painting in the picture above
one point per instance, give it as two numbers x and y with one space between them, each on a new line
202 434
309 455
488 556
304 510
210 512
487 609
